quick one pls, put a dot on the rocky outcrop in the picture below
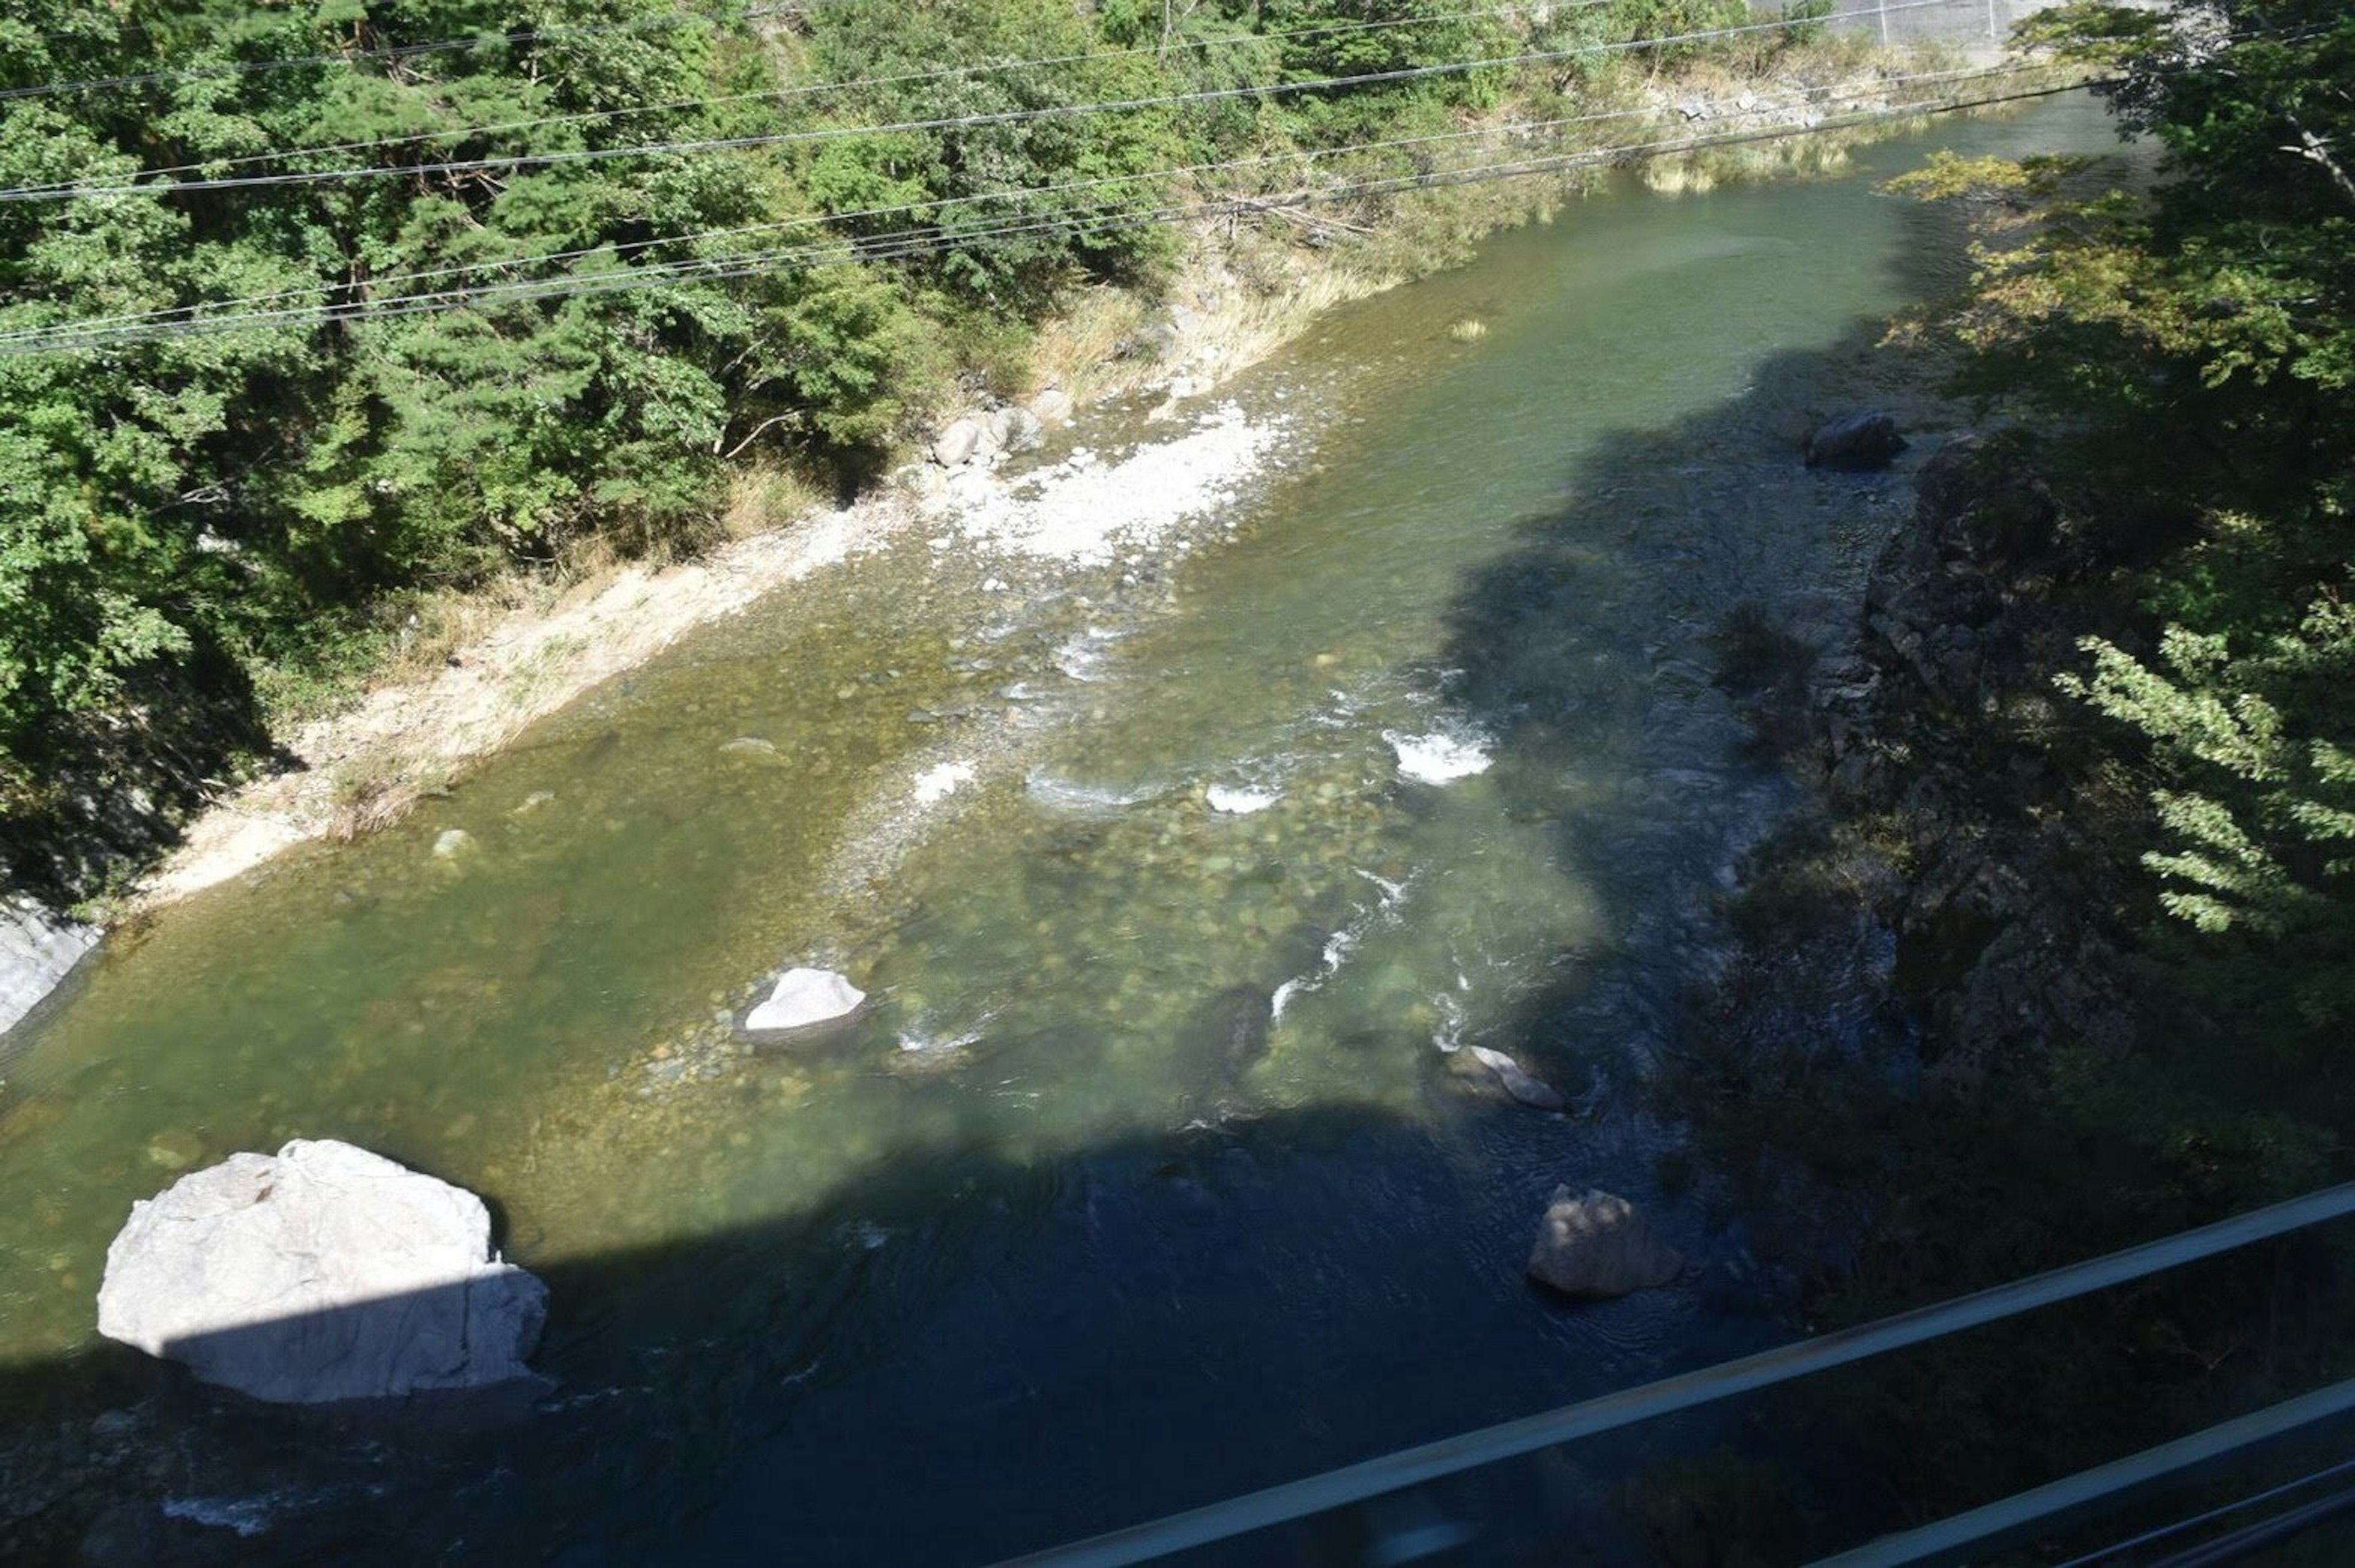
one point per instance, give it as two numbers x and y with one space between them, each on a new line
37 951
1855 444
1595 1244
321 1272
803 999
1955 814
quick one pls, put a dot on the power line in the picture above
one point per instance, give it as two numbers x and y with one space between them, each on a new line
1508 128
923 241
389 52
942 122
805 90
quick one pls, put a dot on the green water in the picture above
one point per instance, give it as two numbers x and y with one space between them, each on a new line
1521 543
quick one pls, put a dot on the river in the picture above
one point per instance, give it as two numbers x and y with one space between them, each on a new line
1417 731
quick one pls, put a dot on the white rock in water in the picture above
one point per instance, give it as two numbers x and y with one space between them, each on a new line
802 997
321 1272
1518 1082
38 950
453 842
1597 1244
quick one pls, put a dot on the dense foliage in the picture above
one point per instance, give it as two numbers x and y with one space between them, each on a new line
2117 852
2199 339
408 403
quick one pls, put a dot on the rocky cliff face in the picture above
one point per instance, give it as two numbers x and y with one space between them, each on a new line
1946 733
37 951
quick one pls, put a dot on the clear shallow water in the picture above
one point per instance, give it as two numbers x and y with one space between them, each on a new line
1038 1249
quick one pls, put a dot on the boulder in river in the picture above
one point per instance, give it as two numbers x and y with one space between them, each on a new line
1596 1244
1856 443
320 1273
1518 1081
803 998
37 951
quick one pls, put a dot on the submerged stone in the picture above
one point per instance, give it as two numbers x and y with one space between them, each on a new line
1596 1244
1856 443
321 1272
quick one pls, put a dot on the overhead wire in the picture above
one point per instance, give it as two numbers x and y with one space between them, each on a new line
1797 98
814 88
896 247
937 122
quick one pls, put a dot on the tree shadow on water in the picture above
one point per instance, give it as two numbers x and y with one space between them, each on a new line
953 1357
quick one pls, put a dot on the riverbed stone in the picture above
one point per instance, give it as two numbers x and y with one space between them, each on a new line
1518 1081
37 951
1015 430
803 998
1856 443
1051 407
1595 1244
956 442
321 1272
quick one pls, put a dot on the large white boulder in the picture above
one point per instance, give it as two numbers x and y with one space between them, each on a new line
320 1273
38 950
804 998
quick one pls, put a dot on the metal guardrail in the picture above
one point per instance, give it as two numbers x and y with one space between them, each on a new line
1966 1535
1408 1467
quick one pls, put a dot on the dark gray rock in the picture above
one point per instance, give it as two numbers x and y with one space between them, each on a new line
1597 1244
1855 444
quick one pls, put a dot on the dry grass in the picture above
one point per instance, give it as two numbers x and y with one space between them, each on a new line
768 495
1080 348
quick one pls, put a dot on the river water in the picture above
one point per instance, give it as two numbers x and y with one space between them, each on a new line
1416 733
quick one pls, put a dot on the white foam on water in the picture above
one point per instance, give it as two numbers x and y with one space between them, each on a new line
1441 756
1079 511
940 782
916 1041
1240 800
1082 655
1449 1036
1065 794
